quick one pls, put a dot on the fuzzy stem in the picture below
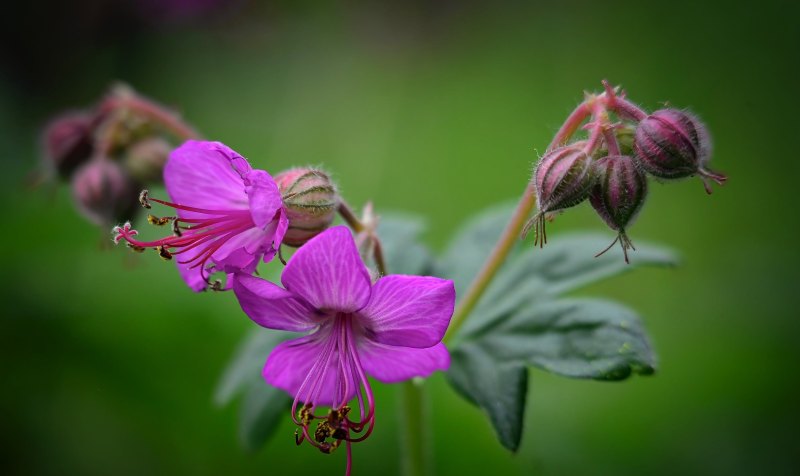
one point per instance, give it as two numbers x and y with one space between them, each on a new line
495 259
349 216
571 125
621 105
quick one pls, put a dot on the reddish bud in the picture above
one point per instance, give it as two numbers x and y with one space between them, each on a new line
310 200
67 142
673 144
145 159
618 195
563 179
104 193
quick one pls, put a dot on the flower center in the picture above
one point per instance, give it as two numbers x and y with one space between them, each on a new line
339 355
203 235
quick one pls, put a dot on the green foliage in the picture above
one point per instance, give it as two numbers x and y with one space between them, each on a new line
263 406
522 320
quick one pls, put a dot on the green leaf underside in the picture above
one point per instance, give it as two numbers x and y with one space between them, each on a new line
262 410
501 390
562 266
263 406
402 249
579 338
521 320
244 369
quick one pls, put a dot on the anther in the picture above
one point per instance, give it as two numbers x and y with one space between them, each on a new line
217 285
322 432
164 253
176 228
159 221
143 199
138 249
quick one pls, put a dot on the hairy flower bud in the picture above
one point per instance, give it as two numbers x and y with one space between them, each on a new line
310 200
67 142
673 144
104 193
145 159
563 179
618 195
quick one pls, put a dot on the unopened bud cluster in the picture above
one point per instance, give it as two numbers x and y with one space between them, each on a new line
110 151
610 167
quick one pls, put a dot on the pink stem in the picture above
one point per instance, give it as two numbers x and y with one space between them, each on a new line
571 125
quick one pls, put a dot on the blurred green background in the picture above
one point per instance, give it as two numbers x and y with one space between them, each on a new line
110 362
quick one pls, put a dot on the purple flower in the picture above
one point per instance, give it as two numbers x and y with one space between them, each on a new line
391 330
229 215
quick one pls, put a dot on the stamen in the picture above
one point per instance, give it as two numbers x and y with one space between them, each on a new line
143 199
336 427
164 253
159 221
135 248
205 234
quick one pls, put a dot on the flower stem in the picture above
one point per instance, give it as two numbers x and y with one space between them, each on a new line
413 434
494 260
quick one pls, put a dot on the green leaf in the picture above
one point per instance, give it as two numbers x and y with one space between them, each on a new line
578 338
501 389
402 249
263 408
567 263
263 405
521 320
244 368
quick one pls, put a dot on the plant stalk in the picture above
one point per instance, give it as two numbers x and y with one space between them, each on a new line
493 262
413 433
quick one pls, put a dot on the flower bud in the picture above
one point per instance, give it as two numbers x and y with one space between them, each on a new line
310 200
563 179
673 144
618 195
104 193
67 142
145 159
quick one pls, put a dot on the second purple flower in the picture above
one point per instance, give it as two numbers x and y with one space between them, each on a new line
391 330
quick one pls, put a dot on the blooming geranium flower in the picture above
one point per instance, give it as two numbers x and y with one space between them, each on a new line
229 215
391 330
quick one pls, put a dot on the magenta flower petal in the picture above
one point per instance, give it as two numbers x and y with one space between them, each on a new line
273 307
411 311
206 175
391 364
328 272
291 362
263 196
229 216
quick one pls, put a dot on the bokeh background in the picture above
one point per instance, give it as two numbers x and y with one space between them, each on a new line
109 362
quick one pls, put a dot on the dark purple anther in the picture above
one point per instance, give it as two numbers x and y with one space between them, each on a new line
563 179
673 144
618 195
